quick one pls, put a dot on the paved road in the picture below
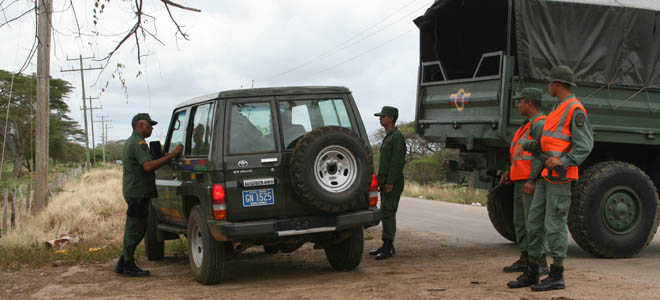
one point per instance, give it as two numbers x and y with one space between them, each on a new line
465 224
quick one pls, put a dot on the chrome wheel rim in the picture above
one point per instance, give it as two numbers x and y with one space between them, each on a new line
197 246
335 169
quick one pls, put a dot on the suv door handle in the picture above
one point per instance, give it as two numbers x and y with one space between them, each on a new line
269 160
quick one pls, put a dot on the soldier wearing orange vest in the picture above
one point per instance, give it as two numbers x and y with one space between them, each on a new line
529 105
567 139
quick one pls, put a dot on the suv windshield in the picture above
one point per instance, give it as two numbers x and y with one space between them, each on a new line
301 116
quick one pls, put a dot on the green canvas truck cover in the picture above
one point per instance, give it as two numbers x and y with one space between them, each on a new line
606 42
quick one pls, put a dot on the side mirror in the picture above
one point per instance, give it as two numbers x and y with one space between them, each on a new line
156 149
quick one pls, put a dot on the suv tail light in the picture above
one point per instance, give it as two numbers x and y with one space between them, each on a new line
219 203
373 191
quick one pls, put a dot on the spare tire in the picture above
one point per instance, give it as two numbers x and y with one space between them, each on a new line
500 210
331 169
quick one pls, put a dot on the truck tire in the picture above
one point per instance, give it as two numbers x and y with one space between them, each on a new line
154 248
206 255
347 255
613 210
331 169
500 210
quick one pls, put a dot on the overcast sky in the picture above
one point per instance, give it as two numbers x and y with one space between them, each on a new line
369 46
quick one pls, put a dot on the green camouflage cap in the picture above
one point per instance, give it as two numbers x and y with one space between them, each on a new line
388 111
142 116
561 74
529 93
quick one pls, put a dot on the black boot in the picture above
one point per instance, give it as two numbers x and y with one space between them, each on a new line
530 277
519 265
388 250
554 281
119 268
131 270
379 250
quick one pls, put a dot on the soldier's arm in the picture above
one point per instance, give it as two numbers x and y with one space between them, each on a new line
537 164
582 142
398 159
152 165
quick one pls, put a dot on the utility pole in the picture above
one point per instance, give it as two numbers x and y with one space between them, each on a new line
104 132
91 116
82 79
44 11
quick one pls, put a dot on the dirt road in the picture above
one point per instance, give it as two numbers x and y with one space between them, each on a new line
447 264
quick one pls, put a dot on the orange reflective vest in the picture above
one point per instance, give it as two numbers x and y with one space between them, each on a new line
557 136
521 169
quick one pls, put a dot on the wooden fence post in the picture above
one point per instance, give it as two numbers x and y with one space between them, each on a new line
20 205
13 210
28 198
4 215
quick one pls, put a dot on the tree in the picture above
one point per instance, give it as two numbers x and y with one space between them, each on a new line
416 144
19 129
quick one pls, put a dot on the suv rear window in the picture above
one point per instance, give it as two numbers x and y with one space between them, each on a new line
301 116
251 128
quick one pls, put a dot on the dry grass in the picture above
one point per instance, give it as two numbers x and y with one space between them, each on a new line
91 207
446 192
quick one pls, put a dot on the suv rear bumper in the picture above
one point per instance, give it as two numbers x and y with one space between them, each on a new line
230 231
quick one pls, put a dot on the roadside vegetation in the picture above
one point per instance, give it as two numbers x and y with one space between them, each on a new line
90 207
426 171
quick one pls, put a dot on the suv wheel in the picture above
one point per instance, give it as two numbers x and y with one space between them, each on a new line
347 255
331 168
206 255
153 247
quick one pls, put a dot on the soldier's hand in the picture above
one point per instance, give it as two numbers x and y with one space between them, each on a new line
388 188
505 178
528 188
553 162
177 151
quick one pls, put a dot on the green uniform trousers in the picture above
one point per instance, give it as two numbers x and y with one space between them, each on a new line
389 203
547 218
521 204
136 225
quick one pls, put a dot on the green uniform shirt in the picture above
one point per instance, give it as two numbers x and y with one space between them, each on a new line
582 141
392 158
137 183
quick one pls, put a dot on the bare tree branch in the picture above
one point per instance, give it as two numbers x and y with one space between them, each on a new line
178 28
16 18
168 2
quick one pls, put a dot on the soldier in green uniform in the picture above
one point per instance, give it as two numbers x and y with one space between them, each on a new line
524 172
390 178
567 141
139 186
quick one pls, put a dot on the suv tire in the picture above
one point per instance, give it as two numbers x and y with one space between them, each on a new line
613 210
347 255
500 210
153 247
206 255
331 169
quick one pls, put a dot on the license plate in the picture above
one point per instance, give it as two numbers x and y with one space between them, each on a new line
258 197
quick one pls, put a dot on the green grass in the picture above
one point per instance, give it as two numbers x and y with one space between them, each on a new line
37 255
448 192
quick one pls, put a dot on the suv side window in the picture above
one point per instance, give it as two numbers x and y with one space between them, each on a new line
251 128
301 116
202 119
177 133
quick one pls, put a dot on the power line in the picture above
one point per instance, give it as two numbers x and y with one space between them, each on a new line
339 47
358 56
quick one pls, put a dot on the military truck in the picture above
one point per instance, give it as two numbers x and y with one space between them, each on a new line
474 55
270 167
